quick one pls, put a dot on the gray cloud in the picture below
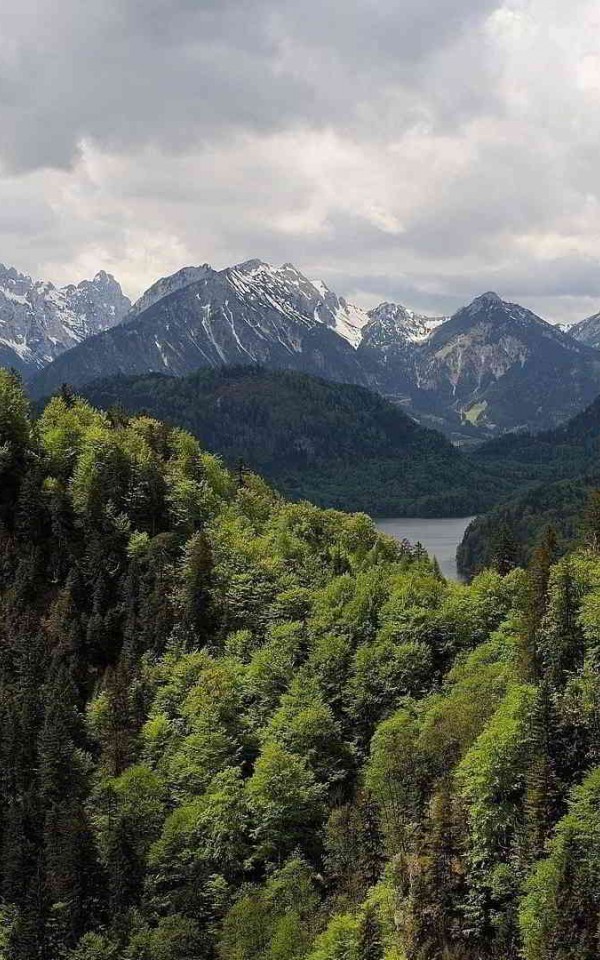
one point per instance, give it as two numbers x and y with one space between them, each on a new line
415 151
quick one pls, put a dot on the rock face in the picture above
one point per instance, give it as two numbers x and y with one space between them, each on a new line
587 331
499 366
493 366
392 345
166 285
250 313
39 321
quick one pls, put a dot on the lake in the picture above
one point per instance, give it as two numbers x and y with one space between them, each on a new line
440 537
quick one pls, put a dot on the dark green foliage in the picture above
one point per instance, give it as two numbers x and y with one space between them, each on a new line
553 476
238 728
334 444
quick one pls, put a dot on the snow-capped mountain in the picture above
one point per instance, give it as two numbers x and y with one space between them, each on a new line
391 345
587 331
345 318
493 366
249 313
391 323
39 321
167 285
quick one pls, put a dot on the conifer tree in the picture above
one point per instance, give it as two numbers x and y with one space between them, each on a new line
591 522
370 945
561 637
536 601
505 553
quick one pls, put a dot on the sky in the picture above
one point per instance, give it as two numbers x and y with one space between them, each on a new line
421 152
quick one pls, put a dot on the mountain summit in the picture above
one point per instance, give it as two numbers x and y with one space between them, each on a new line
39 321
497 364
249 313
493 366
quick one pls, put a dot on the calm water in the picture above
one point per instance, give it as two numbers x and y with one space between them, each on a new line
440 537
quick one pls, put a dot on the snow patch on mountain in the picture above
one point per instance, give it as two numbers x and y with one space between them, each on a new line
167 285
392 323
39 321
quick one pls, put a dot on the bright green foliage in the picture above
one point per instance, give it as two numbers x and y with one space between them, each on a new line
340 941
306 726
397 775
235 728
285 802
561 910
382 674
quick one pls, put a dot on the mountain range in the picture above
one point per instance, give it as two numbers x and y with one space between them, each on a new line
492 367
39 321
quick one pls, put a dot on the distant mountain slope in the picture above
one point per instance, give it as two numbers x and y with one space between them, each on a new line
39 321
552 472
587 331
337 445
500 367
166 285
391 346
492 367
251 313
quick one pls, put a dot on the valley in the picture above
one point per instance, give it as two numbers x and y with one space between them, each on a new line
240 727
299 480
185 351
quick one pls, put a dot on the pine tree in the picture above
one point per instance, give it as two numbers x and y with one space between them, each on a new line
505 552
67 395
561 638
370 945
71 872
542 790
536 601
198 611
371 841
591 522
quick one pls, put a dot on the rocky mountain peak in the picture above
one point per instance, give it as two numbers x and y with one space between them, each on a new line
394 324
587 331
39 321
167 285
491 297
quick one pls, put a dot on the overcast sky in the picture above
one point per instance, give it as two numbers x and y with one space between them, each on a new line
414 150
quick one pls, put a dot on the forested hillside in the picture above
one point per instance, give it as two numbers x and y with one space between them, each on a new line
552 474
236 728
337 445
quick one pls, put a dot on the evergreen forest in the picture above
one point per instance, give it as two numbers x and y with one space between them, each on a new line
335 444
235 727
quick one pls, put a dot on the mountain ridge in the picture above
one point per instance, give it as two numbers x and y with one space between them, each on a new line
494 366
39 321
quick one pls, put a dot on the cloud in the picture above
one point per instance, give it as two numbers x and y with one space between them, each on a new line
421 152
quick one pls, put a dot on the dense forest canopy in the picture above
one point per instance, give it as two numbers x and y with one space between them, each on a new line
553 474
238 728
337 445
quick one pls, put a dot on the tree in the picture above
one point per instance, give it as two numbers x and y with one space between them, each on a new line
561 637
559 914
286 804
591 521
505 550
536 601
370 946
15 440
